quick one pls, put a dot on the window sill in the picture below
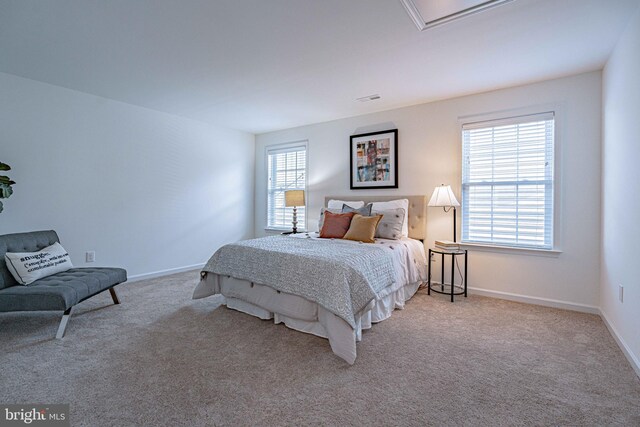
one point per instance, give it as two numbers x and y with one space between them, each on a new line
551 253
281 230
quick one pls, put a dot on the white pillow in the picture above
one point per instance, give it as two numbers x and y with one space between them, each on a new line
390 226
27 267
395 204
337 204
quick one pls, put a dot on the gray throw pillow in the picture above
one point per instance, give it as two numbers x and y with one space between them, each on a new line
390 226
364 211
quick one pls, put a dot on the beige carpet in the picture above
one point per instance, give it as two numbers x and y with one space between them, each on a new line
162 359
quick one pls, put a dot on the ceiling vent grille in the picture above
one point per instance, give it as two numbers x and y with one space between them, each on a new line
368 98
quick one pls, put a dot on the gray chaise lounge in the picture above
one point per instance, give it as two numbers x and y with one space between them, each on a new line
60 291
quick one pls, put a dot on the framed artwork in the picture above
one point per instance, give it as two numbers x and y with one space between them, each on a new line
374 160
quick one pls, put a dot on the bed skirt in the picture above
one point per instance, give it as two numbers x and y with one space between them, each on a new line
301 314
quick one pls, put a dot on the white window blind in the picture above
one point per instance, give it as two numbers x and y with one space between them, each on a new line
287 169
507 181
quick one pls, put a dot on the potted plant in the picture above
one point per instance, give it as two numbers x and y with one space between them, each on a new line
5 184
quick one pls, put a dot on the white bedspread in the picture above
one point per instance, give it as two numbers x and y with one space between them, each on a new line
409 264
410 260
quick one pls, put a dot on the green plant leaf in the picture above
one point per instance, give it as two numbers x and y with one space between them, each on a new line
5 184
5 191
6 180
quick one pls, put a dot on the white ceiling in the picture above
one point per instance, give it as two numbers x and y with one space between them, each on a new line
260 65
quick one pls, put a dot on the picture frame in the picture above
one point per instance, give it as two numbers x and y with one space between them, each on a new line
374 160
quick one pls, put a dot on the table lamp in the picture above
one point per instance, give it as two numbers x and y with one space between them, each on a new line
294 198
443 197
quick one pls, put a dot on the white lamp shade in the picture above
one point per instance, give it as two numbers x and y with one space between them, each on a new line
443 196
294 198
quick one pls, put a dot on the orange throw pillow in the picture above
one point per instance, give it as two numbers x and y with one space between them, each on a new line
335 224
363 228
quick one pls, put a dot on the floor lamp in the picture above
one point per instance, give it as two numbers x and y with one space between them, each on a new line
443 197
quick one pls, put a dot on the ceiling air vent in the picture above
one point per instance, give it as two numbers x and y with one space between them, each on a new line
428 13
368 98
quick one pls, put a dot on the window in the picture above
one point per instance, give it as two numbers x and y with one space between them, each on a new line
507 182
287 170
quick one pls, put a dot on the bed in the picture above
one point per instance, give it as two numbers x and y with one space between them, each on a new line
331 288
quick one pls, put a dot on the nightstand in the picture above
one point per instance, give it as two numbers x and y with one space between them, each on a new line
453 286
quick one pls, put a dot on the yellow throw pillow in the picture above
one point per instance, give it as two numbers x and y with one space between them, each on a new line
363 228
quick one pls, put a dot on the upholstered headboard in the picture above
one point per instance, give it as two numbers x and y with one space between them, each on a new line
417 210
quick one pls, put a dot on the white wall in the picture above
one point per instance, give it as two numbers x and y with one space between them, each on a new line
146 190
430 154
620 193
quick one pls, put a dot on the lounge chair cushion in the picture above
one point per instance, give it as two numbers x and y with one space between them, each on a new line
60 291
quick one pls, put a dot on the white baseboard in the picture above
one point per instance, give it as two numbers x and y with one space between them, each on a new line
536 300
633 360
154 274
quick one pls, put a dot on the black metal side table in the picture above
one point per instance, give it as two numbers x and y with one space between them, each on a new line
451 292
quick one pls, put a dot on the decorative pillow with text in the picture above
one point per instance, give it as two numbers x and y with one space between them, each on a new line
27 267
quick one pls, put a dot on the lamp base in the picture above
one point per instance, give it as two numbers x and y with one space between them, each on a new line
295 220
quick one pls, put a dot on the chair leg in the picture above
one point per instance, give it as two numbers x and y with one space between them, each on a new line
63 323
114 296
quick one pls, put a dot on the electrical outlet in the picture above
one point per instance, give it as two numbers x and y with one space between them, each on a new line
621 293
91 256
